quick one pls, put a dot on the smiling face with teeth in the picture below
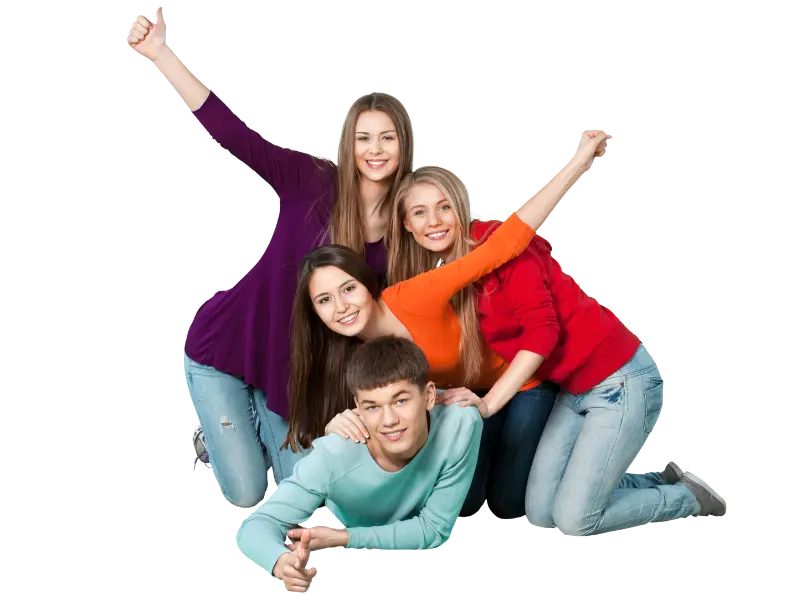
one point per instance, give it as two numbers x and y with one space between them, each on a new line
342 303
429 217
377 147
396 417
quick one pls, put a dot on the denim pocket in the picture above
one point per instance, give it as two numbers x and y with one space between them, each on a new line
653 399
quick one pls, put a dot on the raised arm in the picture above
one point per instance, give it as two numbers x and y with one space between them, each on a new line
150 40
535 211
287 171
428 293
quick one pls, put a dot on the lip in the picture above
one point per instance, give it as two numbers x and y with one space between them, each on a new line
398 437
440 235
382 163
348 319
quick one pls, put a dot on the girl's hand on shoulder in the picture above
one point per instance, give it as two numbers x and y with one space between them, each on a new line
466 397
349 425
147 38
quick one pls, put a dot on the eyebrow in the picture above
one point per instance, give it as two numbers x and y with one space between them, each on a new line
423 206
381 133
400 393
351 280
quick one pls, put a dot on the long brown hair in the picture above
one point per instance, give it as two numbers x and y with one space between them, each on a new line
346 219
318 387
408 259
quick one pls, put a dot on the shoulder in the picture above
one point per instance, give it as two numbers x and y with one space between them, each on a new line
312 168
534 256
334 445
480 230
456 422
541 245
336 454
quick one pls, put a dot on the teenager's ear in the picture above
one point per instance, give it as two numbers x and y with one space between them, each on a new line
430 395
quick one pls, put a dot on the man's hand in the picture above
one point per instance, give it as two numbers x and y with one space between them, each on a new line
319 537
291 567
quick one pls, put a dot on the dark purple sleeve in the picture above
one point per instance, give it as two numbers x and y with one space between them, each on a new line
287 171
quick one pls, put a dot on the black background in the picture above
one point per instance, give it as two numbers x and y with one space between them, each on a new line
630 234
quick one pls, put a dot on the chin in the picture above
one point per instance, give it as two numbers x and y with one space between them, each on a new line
402 449
346 331
385 174
378 178
439 247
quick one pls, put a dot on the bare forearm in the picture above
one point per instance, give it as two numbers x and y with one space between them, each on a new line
519 371
193 92
536 210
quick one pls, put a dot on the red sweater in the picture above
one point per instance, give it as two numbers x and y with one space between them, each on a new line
531 304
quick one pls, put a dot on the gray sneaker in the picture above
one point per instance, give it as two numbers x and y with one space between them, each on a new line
671 474
199 441
711 503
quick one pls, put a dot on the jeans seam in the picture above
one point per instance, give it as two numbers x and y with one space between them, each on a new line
641 371
608 459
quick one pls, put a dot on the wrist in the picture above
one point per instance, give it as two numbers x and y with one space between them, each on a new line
161 54
491 405
342 537
575 168
277 570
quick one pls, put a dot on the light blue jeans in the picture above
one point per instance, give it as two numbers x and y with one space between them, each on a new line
243 437
578 481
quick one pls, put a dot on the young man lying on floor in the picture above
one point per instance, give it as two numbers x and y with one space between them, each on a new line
402 489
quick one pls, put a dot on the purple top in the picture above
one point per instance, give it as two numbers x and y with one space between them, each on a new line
245 331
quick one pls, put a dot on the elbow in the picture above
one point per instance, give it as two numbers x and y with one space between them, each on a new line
542 340
242 538
437 538
251 537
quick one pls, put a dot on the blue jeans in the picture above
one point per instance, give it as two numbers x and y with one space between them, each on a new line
508 443
243 437
578 481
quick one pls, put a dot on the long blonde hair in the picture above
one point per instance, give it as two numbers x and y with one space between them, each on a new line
408 259
346 218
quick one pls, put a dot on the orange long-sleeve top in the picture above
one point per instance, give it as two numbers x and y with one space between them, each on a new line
422 304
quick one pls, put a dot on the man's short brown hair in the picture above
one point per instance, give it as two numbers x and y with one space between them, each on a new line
387 360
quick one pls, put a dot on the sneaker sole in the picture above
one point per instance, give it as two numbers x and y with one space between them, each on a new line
700 483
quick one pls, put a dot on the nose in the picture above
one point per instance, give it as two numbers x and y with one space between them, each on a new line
340 304
434 218
376 147
390 418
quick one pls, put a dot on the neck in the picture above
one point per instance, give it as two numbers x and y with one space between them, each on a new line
370 194
444 256
380 323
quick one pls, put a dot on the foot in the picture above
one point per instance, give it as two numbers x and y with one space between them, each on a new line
671 474
199 440
711 503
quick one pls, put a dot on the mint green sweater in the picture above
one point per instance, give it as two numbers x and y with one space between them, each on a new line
413 508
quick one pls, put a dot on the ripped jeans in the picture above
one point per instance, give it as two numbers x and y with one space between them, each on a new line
243 437
578 481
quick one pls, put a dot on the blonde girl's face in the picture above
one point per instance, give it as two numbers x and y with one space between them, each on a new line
430 218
